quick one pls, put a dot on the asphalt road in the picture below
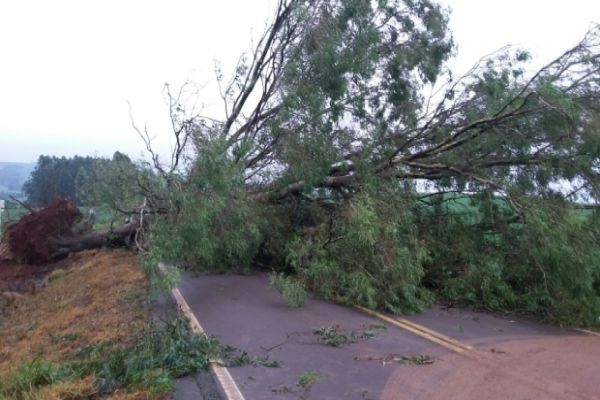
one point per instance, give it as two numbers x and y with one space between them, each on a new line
468 355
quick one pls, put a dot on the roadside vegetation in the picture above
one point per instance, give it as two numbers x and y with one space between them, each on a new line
87 334
84 330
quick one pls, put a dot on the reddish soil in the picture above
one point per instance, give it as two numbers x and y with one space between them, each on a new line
563 367
17 277
31 239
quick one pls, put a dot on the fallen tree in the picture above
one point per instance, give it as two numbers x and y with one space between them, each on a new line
49 234
121 236
349 156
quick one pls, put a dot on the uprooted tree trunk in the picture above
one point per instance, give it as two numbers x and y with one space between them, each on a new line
48 234
122 236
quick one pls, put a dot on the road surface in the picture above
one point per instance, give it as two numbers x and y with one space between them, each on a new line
438 354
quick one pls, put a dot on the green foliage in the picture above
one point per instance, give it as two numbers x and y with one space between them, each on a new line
356 72
336 336
159 354
420 359
353 160
307 379
117 183
29 376
291 289
216 226
232 357
365 252
55 178
560 249
160 280
547 267
90 181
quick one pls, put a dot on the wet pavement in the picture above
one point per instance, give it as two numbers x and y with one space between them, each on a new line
510 358
480 328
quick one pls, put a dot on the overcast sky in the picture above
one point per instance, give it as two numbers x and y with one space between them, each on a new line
68 68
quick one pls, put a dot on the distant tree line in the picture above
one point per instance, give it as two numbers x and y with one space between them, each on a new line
70 178
12 177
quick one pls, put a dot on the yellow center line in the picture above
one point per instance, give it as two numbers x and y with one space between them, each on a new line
421 331
436 334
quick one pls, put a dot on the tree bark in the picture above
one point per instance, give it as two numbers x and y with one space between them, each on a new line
122 236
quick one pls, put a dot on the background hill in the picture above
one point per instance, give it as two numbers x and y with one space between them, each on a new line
12 177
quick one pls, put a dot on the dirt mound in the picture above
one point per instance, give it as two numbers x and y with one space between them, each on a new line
31 239
19 278
22 278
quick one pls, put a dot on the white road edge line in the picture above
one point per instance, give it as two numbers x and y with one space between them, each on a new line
225 382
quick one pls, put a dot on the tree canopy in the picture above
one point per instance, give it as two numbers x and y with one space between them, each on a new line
365 82
350 157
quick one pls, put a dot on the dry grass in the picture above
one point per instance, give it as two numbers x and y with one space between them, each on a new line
80 389
97 298
83 389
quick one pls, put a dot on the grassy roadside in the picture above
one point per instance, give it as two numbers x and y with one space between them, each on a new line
87 334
